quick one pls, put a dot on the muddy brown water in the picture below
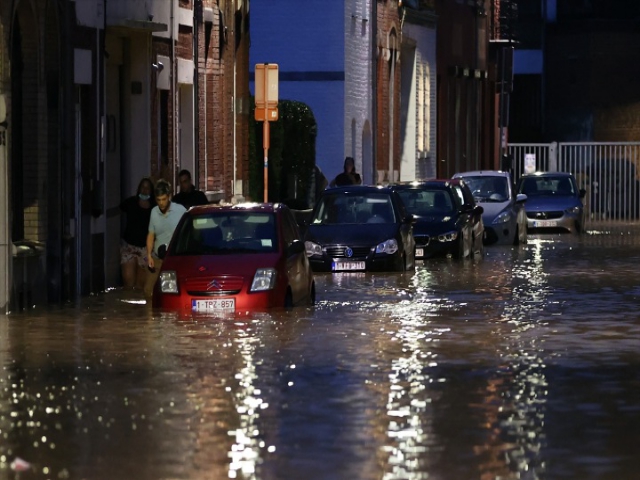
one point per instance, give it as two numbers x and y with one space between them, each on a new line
523 365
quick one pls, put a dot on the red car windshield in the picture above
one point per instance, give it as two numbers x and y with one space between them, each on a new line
221 233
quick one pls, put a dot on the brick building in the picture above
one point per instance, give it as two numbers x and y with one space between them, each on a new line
346 60
324 53
467 78
576 68
97 95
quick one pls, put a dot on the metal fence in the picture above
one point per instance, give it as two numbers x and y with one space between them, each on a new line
608 172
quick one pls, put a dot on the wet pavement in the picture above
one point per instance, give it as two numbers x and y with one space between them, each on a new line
523 365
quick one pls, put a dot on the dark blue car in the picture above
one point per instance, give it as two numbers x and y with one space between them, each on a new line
360 228
448 222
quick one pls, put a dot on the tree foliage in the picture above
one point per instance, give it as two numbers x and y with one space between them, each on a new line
292 154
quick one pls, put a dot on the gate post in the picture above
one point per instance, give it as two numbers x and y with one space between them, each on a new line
553 157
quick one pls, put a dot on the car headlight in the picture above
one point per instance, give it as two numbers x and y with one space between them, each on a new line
388 246
448 237
504 217
168 282
264 279
574 210
312 249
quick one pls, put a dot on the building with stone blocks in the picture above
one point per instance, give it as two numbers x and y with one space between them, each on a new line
95 95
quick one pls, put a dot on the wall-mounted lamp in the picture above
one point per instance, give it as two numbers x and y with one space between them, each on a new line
158 67
355 17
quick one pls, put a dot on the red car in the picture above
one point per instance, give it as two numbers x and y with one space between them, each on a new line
226 259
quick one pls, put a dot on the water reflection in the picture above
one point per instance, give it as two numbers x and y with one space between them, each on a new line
458 370
245 453
519 385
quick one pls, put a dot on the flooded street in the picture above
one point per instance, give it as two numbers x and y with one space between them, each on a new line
523 365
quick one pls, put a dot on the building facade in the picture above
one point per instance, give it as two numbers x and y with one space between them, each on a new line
467 77
418 120
95 95
582 73
345 59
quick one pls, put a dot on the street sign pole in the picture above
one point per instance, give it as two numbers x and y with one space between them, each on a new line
265 146
266 83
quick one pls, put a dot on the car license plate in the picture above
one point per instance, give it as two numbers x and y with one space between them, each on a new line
347 266
419 252
545 223
218 305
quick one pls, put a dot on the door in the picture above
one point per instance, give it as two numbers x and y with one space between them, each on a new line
187 131
113 174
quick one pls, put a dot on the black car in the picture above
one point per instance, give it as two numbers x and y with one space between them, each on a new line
360 228
448 222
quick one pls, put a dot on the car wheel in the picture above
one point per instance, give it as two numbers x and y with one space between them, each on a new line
288 300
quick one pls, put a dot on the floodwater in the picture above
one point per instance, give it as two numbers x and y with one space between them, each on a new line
524 365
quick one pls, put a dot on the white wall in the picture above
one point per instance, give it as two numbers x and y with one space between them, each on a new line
410 106
187 140
5 250
138 152
306 40
426 103
358 86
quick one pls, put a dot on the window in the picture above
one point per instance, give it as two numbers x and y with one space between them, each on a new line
227 232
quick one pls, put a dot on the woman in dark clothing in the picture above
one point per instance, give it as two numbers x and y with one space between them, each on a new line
349 176
133 246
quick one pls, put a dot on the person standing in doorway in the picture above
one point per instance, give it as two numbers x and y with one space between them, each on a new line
133 258
164 220
189 196
349 176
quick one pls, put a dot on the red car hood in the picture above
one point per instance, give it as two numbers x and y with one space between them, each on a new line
244 265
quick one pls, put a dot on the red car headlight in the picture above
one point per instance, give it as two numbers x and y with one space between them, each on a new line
168 282
264 279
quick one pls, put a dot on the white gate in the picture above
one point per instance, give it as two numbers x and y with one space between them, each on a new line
608 172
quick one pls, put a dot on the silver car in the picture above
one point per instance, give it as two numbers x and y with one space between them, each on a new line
504 217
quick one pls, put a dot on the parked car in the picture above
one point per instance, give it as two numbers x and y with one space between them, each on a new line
448 222
360 228
234 259
504 217
554 201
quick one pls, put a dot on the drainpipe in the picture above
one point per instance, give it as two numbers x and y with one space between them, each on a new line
204 140
234 109
392 93
197 20
374 85
174 68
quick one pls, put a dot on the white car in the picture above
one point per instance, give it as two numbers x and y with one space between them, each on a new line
504 217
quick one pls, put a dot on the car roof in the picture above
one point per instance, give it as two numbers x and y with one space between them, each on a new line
358 188
482 173
252 207
547 174
434 183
